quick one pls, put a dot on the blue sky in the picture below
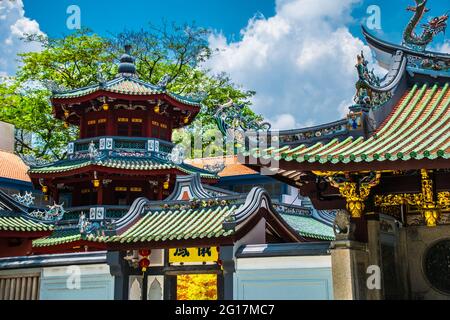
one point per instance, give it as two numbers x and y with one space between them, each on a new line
229 17
298 55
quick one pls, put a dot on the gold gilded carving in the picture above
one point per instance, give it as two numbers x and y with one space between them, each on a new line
444 199
327 173
430 209
355 193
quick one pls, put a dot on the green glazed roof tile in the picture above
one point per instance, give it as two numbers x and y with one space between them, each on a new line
125 85
309 227
121 163
164 224
19 223
417 128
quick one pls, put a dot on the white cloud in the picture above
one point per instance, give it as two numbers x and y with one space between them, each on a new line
283 121
300 61
13 25
443 47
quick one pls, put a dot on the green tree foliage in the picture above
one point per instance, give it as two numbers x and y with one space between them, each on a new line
30 111
82 58
197 287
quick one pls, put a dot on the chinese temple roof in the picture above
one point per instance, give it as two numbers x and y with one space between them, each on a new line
127 86
19 219
194 214
21 224
232 167
124 163
416 129
63 236
308 226
12 167
397 122
179 224
126 83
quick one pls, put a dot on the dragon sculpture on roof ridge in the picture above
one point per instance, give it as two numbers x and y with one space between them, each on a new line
433 27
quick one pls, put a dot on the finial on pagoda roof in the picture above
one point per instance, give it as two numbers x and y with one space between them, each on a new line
127 66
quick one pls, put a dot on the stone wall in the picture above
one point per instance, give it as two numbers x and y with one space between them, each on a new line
417 240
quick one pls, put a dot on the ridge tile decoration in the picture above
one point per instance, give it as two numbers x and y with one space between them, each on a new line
165 225
315 133
125 134
125 85
70 236
127 163
181 223
21 224
201 219
416 129
309 227
59 237
18 214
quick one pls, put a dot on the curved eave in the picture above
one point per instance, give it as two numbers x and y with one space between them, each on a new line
413 164
415 135
313 128
391 48
283 134
16 183
170 244
124 85
24 234
169 98
35 175
70 246
184 234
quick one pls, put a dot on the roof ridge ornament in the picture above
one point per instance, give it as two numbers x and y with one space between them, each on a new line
233 122
433 27
370 89
127 67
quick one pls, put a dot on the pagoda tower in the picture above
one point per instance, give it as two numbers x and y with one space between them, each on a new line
124 150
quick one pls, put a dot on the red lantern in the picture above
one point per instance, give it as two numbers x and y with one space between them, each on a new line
144 252
144 264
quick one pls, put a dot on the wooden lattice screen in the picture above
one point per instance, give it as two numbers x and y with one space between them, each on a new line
20 287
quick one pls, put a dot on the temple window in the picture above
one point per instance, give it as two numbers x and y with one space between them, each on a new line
96 128
136 127
122 126
155 129
101 127
163 131
130 127
90 132
120 195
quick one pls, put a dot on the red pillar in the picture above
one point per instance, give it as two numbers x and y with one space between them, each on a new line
110 122
160 189
100 195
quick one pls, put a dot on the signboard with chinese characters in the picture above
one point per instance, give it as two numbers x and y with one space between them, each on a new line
193 255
